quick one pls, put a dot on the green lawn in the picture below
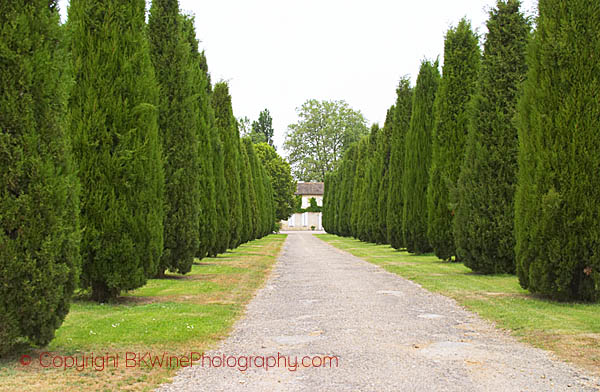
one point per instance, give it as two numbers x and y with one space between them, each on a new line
178 315
571 330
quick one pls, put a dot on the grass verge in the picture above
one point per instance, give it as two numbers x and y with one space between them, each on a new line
176 316
570 330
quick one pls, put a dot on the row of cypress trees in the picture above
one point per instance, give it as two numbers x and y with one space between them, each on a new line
120 161
494 163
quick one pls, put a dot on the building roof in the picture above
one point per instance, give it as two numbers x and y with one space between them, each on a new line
309 188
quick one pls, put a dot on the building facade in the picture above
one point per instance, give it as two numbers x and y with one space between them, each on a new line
306 220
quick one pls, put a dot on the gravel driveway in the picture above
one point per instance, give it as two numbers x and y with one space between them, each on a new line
322 305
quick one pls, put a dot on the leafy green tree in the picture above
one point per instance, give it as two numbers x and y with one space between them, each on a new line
557 219
116 145
262 130
178 129
417 159
244 126
228 133
317 142
383 152
402 113
280 174
39 227
461 66
208 222
484 220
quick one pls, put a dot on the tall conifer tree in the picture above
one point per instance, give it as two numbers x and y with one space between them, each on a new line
484 220
357 200
208 225
39 231
418 158
402 113
372 177
247 229
461 66
229 135
347 191
115 144
177 122
557 216
384 151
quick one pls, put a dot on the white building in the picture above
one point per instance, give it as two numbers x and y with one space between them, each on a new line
306 220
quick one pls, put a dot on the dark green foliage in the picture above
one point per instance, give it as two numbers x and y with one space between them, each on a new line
328 202
262 130
484 220
417 160
208 225
221 195
247 188
461 65
229 136
359 188
116 145
259 190
39 231
178 129
556 204
268 211
383 152
347 191
263 190
280 174
402 113
372 178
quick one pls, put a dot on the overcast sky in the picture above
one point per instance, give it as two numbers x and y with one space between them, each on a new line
276 54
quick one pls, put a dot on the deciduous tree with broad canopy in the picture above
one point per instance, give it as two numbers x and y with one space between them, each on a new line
316 143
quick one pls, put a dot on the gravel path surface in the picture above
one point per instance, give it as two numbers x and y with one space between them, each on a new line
388 334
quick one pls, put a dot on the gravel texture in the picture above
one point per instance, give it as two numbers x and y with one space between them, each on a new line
388 333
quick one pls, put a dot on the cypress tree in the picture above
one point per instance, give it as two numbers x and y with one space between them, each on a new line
252 198
557 219
222 198
228 133
327 202
461 65
39 227
418 158
384 150
269 204
402 113
116 146
204 120
347 190
484 220
369 196
245 184
357 201
178 129
258 191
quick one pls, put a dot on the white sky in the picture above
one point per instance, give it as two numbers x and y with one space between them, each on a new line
276 54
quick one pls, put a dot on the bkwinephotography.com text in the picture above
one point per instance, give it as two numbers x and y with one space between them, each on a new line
101 362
